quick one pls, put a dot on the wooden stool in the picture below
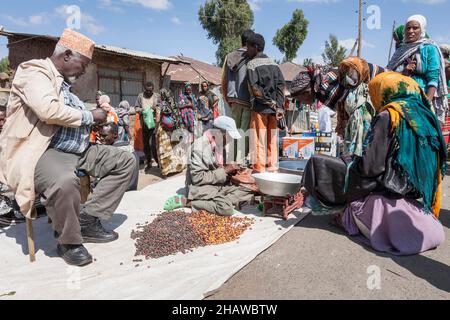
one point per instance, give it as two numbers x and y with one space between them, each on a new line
85 190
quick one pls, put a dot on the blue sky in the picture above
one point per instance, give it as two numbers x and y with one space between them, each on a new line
171 27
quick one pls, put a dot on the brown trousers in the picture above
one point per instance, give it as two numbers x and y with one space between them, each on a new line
263 141
57 182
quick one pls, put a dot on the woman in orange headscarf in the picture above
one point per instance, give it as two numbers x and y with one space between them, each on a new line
356 111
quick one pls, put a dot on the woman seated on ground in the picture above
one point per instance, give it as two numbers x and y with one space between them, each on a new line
405 160
421 59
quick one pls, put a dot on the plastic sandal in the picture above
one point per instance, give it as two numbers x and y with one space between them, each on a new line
174 202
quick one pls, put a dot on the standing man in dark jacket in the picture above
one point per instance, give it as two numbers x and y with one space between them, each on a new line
236 93
267 86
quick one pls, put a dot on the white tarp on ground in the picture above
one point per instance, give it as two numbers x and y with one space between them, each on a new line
181 276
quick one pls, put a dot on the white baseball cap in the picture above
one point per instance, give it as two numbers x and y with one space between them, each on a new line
229 125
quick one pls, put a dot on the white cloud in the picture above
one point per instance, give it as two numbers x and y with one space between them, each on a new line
349 43
427 2
109 5
255 5
152 4
315 1
176 20
37 19
33 20
317 58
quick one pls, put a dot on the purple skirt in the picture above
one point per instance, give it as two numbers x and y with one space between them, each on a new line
396 226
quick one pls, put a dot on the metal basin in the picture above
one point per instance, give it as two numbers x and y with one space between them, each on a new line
293 166
278 184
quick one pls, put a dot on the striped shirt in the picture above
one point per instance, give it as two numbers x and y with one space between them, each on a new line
73 140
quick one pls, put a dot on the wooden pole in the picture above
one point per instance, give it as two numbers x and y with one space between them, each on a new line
31 247
360 28
392 41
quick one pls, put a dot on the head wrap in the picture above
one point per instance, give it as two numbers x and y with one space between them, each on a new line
422 21
327 88
360 73
104 99
400 33
123 109
77 42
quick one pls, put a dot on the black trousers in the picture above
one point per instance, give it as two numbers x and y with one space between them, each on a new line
149 140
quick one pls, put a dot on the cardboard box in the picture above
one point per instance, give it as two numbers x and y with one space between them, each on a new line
298 147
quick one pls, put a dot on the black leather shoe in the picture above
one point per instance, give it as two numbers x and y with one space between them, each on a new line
92 230
75 255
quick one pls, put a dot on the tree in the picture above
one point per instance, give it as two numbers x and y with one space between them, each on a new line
225 21
4 65
334 53
308 62
289 38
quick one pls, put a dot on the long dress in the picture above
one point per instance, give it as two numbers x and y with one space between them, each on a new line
396 226
172 144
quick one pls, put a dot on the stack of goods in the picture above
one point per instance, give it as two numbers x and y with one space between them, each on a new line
325 143
174 232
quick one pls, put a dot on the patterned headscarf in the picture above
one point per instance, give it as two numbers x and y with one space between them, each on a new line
422 149
327 88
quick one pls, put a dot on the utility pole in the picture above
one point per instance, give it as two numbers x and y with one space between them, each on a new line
360 21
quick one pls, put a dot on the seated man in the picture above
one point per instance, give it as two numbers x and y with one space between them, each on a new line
45 142
207 178
108 135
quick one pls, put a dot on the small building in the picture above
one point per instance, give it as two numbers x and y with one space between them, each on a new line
193 71
290 70
118 72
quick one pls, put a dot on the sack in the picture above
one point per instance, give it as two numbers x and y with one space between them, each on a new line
149 119
188 116
167 121
300 83
281 124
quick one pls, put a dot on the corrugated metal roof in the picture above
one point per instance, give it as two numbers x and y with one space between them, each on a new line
106 48
138 54
290 70
196 72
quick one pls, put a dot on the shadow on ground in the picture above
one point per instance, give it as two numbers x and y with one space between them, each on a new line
434 272
43 234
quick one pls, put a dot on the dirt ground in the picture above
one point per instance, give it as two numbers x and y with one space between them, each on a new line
316 260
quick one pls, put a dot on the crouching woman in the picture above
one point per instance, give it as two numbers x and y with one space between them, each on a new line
404 162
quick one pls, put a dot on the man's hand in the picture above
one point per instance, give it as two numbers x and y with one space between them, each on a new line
279 115
231 168
99 115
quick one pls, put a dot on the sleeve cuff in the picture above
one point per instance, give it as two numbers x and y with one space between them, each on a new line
87 118
433 84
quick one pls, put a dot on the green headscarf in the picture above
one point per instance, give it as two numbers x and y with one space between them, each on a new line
399 34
